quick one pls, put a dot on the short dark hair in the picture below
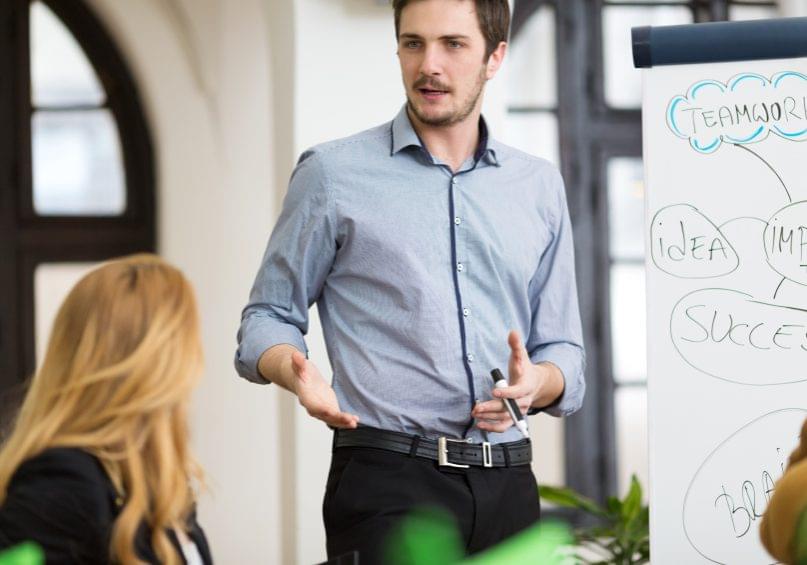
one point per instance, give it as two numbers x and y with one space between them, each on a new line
493 15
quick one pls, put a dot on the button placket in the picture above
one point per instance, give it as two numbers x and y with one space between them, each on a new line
461 229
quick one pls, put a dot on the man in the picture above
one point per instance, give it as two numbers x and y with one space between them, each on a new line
430 249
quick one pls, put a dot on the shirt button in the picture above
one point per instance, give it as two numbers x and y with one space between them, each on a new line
466 312
470 357
460 267
457 220
453 180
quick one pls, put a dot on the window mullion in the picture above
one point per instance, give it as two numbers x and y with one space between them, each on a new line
588 438
13 51
719 10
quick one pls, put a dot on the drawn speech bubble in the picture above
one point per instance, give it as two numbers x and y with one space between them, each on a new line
785 240
731 489
731 336
686 244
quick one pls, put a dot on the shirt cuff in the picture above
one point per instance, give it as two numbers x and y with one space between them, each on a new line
569 359
261 335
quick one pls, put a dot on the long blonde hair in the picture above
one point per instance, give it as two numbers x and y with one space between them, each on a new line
122 360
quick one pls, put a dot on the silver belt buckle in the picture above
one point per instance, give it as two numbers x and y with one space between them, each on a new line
487 454
442 452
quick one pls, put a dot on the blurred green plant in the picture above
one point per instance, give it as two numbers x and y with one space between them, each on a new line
27 553
621 534
430 536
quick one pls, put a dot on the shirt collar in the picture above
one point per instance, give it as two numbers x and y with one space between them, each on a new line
404 135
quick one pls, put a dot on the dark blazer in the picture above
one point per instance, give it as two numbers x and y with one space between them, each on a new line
63 500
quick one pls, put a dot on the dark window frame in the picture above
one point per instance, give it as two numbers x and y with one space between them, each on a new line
28 239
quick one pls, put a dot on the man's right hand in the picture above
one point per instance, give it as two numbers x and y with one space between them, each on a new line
316 395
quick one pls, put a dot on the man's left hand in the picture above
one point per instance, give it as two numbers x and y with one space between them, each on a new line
530 385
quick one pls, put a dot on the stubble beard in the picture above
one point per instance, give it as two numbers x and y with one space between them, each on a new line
450 118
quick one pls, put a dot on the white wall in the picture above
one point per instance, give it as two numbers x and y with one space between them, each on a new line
203 70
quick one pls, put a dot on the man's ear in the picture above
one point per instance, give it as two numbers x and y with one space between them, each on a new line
495 60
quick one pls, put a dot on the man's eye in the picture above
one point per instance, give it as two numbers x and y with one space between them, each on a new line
454 44
412 44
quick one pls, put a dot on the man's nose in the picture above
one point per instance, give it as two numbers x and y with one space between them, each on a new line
431 64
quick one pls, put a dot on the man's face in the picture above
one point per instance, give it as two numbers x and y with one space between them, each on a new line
441 50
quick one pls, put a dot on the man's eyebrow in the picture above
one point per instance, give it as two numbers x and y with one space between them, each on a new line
442 37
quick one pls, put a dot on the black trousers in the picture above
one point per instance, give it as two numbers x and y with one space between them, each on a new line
370 490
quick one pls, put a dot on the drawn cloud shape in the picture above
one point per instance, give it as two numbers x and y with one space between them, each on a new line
730 491
729 335
744 110
785 240
686 244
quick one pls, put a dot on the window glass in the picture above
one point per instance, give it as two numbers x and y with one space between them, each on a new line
630 414
77 164
628 323
739 12
532 62
52 283
623 82
626 208
61 75
533 132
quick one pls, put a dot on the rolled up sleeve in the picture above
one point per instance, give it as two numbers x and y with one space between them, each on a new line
298 258
556 333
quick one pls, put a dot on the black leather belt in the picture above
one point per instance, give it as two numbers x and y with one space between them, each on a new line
448 452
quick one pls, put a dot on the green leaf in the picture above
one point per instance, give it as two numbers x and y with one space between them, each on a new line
621 535
640 525
614 507
632 503
568 498
426 536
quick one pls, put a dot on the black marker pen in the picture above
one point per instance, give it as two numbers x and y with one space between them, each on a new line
510 404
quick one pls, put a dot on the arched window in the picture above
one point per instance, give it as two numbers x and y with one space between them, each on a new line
76 167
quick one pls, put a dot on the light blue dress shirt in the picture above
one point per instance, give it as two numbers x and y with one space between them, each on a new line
419 274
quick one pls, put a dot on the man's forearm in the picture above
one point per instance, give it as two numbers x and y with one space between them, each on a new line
275 366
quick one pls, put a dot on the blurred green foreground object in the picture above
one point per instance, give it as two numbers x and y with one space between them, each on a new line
27 553
430 537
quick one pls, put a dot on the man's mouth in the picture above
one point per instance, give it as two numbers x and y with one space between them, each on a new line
432 94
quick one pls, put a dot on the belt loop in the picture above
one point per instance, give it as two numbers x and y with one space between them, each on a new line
333 442
414 449
506 452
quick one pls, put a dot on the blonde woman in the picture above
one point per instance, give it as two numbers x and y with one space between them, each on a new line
97 468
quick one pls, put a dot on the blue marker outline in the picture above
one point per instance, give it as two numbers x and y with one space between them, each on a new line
710 82
749 138
737 80
671 117
789 135
708 148
785 74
